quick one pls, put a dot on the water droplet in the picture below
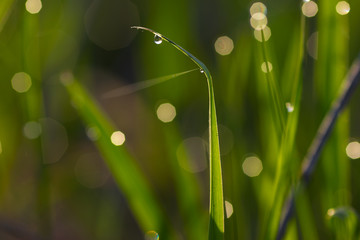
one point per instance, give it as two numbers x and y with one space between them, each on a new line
201 70
151 235
289 107
157 39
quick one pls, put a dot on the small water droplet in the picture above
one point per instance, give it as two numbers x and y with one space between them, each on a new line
151 235
201 70
157 39
289 107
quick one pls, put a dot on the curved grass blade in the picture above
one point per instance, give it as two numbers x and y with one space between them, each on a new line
131 88
216 225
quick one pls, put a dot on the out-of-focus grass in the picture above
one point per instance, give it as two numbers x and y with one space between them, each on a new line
74 198
139 195
330 70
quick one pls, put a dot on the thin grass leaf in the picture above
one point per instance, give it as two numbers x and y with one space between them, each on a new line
286 153
5 11
216 226
131 88
274 89
312 156
131 181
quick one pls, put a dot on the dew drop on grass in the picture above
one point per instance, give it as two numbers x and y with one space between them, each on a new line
157 39
201 70
289 107
151 235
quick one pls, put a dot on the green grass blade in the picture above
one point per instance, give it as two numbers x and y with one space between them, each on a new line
274 89
287 152
128 89
216 227
192 212
5 11
140 198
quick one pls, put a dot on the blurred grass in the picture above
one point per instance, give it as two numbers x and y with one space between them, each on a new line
139 195
51 198
330 70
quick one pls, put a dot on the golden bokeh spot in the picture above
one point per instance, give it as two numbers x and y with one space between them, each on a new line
32 130
118 138
258 7
229 209
266 67
259 21
309 9
252 166
33 6
21 82
166 112
331 212
342 7
353 150
260 37
224 45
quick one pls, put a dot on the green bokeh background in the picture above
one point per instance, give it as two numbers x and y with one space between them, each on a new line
58 186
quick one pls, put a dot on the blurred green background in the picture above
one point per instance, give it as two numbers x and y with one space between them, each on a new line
56 177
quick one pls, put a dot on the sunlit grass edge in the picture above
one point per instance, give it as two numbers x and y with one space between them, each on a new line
216 208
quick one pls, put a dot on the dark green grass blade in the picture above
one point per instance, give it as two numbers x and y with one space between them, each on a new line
216 227
140 198
310 161
192 212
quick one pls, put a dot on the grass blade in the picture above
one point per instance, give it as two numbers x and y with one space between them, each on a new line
5 11
216 227
131 88
311 159
140 198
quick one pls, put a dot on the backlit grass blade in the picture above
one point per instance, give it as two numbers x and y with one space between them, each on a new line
216 227
285 161
128 89
131 181
328 123
274 89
